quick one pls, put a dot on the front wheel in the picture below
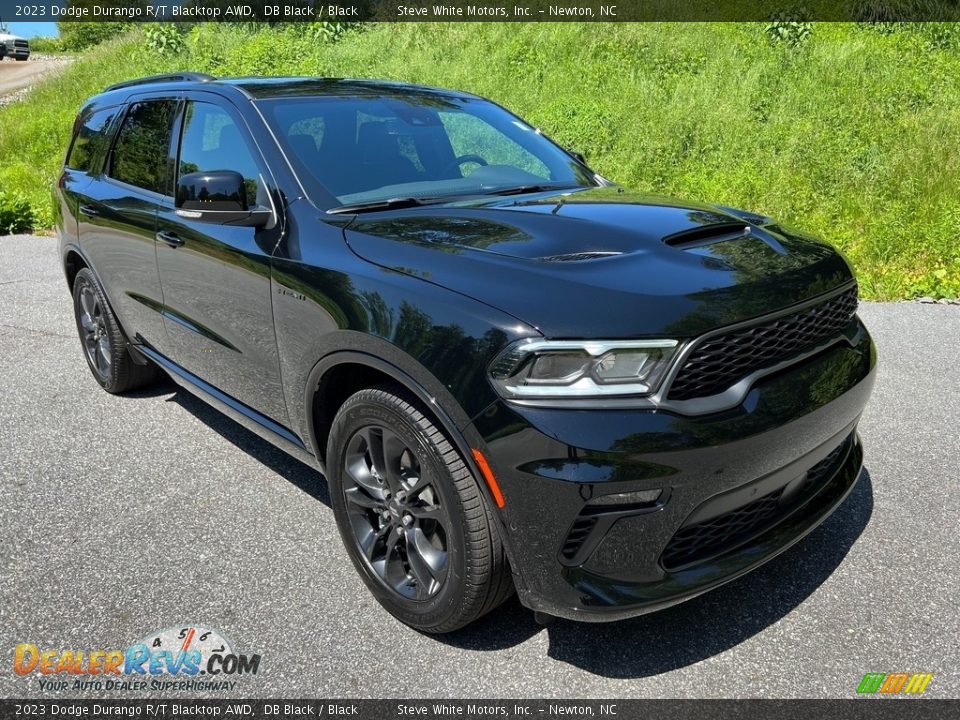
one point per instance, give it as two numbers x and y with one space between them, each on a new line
411 515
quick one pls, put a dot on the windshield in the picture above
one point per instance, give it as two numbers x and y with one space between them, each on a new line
371 148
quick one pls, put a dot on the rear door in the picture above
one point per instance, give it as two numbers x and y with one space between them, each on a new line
216 278
91 141
117 213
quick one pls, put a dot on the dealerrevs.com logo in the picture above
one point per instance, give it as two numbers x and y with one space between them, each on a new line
180 658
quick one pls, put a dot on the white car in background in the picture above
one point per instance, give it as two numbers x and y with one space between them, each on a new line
13 46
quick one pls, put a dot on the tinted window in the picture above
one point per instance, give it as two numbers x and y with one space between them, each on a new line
90 139
418 144
143 144
212 141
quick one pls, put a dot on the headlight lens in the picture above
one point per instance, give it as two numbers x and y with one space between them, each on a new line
532 369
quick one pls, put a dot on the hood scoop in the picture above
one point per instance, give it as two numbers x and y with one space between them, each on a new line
707 235
578 256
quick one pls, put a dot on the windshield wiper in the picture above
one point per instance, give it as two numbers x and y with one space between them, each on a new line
397 203
522 189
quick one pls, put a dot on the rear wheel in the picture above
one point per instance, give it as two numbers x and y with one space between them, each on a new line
411 515
103 343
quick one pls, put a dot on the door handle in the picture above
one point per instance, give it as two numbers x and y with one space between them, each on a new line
170 238
88 211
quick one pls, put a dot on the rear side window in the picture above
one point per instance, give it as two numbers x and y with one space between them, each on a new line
143 145
90 139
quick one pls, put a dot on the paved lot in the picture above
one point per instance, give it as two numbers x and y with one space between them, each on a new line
121 515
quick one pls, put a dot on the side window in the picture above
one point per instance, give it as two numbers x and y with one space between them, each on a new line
212 141
140 153
90 139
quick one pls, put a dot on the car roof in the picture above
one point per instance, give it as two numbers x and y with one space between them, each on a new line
258 88
268 87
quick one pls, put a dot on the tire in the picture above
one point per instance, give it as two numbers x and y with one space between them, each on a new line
101 340
434 557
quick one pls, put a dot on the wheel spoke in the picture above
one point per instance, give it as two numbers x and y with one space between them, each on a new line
369 544
428 512
356 468
104 360
357 496
426 562
393 449
390 558
418 482
374 438
87 302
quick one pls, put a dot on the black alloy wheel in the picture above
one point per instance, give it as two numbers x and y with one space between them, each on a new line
411 515
103 343
93 332
395 513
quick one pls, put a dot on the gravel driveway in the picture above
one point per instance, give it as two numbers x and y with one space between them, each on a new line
17 78
123 515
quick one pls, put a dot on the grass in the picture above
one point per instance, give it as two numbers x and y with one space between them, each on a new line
853 136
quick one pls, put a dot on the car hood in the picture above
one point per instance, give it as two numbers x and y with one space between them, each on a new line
6 37
603 262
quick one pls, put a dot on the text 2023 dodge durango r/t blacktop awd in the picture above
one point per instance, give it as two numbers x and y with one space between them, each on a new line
514 374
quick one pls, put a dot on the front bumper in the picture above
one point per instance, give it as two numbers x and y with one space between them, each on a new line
790 449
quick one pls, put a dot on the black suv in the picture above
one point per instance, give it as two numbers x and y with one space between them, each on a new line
513 373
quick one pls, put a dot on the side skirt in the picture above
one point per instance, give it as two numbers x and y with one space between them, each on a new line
254 421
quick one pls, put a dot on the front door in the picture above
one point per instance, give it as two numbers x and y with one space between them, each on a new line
216 278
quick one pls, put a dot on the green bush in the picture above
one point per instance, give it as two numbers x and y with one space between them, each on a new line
327 31
47 45
164 38
82 35
16 215
790 32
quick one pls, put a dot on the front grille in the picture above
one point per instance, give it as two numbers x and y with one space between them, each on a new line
720 534
723 360
20 43
819 472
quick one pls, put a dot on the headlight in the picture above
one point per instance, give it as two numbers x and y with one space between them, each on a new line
539 369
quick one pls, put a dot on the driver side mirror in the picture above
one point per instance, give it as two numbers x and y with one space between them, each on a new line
218 196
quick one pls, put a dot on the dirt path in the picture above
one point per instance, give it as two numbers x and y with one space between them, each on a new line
16 76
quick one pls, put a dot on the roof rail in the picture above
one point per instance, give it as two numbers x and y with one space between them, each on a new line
170 77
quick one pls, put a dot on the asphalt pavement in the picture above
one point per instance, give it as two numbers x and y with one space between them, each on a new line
120 516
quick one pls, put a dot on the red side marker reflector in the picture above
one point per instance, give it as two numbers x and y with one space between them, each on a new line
488 476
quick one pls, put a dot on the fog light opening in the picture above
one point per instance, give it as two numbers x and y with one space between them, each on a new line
642 498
